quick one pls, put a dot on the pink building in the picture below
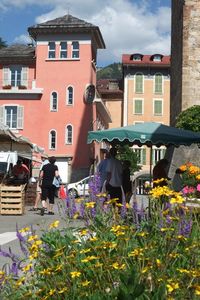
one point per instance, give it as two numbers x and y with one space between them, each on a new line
47 91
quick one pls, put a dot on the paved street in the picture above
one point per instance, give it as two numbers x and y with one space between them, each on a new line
8 226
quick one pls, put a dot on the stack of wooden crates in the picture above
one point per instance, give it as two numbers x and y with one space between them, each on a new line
12 199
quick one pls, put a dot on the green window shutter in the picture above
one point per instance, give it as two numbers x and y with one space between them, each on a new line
20 117
2 114
157 107
6 76
139 83
24 76
158 84
138 107
144 156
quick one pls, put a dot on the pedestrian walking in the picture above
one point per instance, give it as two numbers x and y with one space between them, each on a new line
114 176
48 175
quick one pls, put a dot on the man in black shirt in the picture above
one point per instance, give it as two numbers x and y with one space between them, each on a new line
48 172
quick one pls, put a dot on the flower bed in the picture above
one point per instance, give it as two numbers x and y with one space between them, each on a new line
117 254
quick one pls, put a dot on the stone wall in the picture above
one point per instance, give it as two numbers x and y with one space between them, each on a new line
185 55
176 60
191 54
185 72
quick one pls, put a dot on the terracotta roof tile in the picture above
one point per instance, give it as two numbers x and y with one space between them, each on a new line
127 59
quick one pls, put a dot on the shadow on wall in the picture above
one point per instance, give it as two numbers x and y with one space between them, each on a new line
83 157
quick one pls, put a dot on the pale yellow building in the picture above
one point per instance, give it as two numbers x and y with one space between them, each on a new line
146 96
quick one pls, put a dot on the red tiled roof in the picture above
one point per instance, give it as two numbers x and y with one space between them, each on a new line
146 60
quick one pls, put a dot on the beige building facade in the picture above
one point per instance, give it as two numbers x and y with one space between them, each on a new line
146 96
111 92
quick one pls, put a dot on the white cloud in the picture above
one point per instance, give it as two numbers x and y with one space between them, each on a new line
127 26
23 38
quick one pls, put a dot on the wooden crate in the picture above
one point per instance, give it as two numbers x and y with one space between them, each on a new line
12 199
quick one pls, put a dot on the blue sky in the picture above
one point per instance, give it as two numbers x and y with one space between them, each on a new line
127 26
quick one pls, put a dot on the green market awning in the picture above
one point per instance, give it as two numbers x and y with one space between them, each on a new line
147 133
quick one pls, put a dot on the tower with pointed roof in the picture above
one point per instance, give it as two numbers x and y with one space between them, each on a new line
47 92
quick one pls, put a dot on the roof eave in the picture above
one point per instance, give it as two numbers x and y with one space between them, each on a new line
35 31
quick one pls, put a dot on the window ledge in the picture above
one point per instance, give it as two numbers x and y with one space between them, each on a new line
63 59
22 91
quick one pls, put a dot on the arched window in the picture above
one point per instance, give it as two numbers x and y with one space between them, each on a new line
69 134
139 83
52 139
158 84
70 95
54 101
75 49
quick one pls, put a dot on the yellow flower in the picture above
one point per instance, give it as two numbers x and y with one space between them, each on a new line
93 239
181 237
79 200
144 270
119 205
2 273
110 245
27 268
112 201
85 250
158 262
32 238
118 266
23 230
98 264
178 199
90 204
52 291
197 290
58 268
83 232
75 274
47 271
89 258
62 291
76 215
172 286
159 191
136 252
163 229
101 195
142 233
85 283
54 224
183 271
20 281
173 255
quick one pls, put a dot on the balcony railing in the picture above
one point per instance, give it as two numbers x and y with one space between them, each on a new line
20 87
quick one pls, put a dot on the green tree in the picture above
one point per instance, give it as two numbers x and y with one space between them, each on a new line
2 43
189 119
113 71
127 153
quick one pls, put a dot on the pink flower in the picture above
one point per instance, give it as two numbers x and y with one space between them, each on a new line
198 187
189 190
